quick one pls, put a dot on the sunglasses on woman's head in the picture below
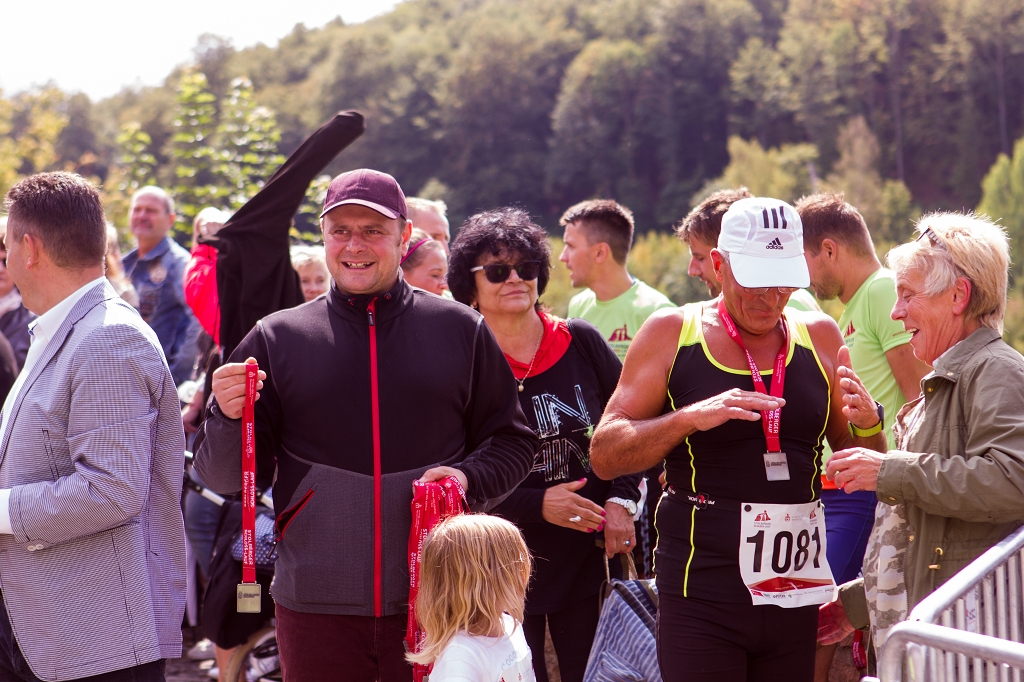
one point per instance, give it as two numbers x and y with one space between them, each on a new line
497 273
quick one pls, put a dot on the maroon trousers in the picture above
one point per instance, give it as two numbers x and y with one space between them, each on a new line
317 647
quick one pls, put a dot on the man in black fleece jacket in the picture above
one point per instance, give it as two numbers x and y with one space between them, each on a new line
362 391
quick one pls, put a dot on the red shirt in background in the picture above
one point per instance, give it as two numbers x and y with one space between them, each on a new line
201 289
553 345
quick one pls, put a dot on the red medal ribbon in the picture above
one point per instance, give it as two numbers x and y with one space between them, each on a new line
249 476
770 419
431 504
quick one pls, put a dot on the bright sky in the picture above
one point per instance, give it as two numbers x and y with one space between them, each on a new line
99 47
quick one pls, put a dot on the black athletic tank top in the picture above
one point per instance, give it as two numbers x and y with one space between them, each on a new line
698 546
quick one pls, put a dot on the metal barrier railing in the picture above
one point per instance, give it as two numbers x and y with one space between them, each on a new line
968 630
938 653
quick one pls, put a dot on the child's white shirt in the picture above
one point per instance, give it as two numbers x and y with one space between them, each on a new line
474 658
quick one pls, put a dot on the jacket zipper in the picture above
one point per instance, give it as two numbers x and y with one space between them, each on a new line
378 553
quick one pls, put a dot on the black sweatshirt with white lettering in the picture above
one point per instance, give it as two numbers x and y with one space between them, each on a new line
564 404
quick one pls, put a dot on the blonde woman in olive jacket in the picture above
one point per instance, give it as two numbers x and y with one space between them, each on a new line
955 487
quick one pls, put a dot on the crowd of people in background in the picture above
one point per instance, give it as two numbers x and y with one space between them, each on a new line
634 433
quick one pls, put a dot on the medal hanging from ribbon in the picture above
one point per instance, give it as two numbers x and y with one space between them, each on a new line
248 598
431 503
776 465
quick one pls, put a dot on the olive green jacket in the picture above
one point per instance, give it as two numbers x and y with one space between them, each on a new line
961 472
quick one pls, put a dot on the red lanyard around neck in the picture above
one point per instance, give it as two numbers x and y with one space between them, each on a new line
770 419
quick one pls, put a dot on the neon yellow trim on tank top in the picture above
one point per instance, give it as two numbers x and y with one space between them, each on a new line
804 339
693 513
689 332
746 372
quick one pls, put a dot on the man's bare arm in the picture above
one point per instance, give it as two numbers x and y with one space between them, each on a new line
633 434
907 369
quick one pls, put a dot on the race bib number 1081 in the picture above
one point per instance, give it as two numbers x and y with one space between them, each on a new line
782 554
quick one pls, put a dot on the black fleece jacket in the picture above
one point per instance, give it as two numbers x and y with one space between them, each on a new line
445 396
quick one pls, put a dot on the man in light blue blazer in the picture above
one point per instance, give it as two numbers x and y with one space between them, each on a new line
92 545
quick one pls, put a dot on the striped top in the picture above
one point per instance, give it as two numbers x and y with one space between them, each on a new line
697 553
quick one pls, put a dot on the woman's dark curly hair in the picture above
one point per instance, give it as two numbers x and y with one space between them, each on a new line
502 232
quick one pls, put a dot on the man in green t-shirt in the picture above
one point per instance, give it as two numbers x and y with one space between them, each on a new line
842 262
598 235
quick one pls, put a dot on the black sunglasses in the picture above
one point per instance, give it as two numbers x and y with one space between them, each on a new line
497 273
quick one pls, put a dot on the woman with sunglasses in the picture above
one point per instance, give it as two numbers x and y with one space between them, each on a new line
565 373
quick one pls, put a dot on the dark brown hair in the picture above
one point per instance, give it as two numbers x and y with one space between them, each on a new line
503 231
704 222
604 221
829 216
65 213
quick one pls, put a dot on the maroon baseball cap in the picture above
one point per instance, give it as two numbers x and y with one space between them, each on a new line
369 188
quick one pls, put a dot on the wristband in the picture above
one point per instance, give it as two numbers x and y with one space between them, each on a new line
876 429
630 505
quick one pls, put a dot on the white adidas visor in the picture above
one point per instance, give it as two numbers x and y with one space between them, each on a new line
765 242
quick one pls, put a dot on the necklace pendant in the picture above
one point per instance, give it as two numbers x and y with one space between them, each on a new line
520 387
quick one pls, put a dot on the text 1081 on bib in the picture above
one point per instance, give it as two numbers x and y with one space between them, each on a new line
782 554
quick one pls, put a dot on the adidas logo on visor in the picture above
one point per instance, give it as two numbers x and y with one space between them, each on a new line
775 244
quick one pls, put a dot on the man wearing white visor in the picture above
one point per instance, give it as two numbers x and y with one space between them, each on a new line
752 395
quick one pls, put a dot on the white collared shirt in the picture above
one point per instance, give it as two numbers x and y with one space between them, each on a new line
41 330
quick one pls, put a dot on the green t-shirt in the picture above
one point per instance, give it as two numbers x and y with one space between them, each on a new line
869 332
619 319
801 299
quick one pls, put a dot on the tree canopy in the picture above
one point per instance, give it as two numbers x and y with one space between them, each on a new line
545 102
906 105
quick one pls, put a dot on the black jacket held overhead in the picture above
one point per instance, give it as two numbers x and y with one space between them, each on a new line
254 270
362 396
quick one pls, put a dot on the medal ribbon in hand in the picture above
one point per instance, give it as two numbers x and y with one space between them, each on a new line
431 503
248 596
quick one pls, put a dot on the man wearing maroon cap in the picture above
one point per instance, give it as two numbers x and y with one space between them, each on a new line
362 392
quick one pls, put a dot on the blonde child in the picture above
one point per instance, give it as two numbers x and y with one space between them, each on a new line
425 263
474 573
311 264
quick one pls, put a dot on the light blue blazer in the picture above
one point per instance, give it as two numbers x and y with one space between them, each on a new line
94 576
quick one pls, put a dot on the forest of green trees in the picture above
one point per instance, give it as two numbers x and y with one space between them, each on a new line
906 105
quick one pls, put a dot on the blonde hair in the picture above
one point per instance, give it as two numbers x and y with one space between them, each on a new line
952 245
210 214
308 255
474 568
419 205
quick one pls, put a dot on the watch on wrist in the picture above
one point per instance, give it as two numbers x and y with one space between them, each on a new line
877 428
630 505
